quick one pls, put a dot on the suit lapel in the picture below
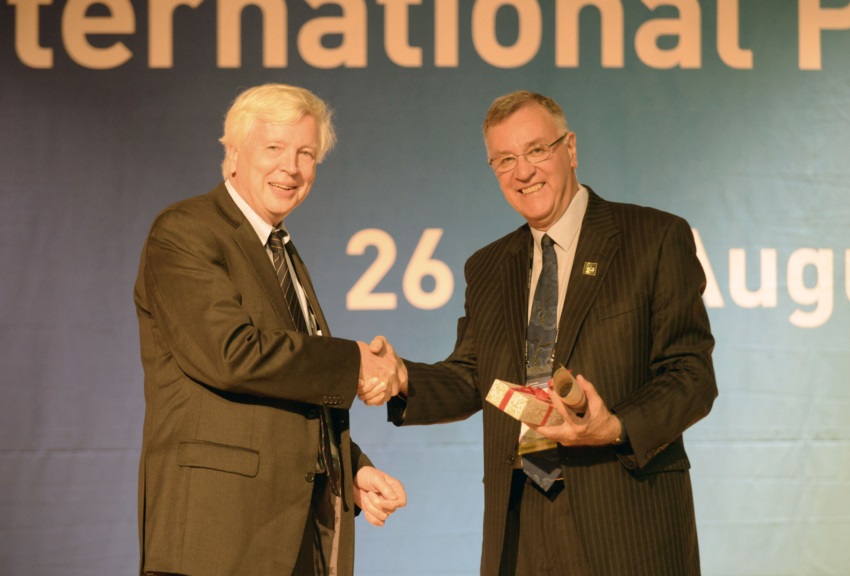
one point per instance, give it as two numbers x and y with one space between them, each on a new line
597 247
515 298
255 253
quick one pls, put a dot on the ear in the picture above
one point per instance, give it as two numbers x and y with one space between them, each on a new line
571 146
232 155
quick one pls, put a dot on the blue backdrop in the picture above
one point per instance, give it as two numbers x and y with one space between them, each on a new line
733 114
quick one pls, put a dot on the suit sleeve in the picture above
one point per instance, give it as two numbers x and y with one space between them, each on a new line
358 459
682 386
443 392
197 311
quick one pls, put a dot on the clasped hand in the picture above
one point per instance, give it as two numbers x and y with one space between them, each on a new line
378 494
382 373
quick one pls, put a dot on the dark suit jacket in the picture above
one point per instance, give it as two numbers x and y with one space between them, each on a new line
638 330
233 397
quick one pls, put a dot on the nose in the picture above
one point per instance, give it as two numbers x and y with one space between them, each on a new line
288 163
524 169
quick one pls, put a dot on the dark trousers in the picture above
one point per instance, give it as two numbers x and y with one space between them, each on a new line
540 534
316 543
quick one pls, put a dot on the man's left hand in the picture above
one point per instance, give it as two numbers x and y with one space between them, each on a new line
596 427
378 494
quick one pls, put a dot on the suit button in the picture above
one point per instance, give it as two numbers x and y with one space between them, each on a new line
309 476
509 460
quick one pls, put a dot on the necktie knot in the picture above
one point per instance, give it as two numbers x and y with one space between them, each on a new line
277 240
547 241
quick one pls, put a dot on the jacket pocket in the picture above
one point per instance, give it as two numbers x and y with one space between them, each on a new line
625 306
233 459
671 459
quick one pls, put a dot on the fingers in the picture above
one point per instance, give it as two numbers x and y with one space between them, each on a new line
381 485
400 370
374 385
378 494
585 384
595 427
373 511
558 404
378 344
373 392
399 499
373 520
595 402
382 373
571 430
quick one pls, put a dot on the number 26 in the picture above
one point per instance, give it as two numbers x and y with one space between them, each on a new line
362 295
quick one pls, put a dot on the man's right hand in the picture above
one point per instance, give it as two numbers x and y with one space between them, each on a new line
382 373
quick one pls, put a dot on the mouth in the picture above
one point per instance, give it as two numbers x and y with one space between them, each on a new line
282 187
531 189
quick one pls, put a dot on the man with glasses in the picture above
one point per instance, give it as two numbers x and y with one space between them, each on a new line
612 292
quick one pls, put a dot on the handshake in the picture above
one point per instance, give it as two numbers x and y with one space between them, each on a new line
382 373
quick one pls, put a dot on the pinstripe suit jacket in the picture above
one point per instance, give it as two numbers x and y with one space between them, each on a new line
232 397
638 330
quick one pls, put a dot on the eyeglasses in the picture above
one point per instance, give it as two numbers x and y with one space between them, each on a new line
538 153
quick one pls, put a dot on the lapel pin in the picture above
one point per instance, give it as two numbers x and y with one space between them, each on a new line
590 268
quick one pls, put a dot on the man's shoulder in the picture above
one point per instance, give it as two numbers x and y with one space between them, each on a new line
204 208
628 210
627 214
501 248
200 204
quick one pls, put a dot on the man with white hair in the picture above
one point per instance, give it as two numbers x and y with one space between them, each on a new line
247 465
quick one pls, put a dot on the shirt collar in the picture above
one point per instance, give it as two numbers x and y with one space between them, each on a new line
260 226
564 230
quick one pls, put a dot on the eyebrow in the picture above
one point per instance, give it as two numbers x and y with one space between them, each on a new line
288 144
526 146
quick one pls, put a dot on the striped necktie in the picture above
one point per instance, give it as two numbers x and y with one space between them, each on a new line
279 242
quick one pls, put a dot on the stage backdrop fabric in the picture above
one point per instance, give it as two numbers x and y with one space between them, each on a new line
734 114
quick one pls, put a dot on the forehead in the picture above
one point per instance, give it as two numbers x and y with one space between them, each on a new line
302 132
529 125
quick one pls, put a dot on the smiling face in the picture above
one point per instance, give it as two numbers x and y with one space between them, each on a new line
540 192
276 166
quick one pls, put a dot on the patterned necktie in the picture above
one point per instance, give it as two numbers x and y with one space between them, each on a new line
543 467
328 450
278 244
